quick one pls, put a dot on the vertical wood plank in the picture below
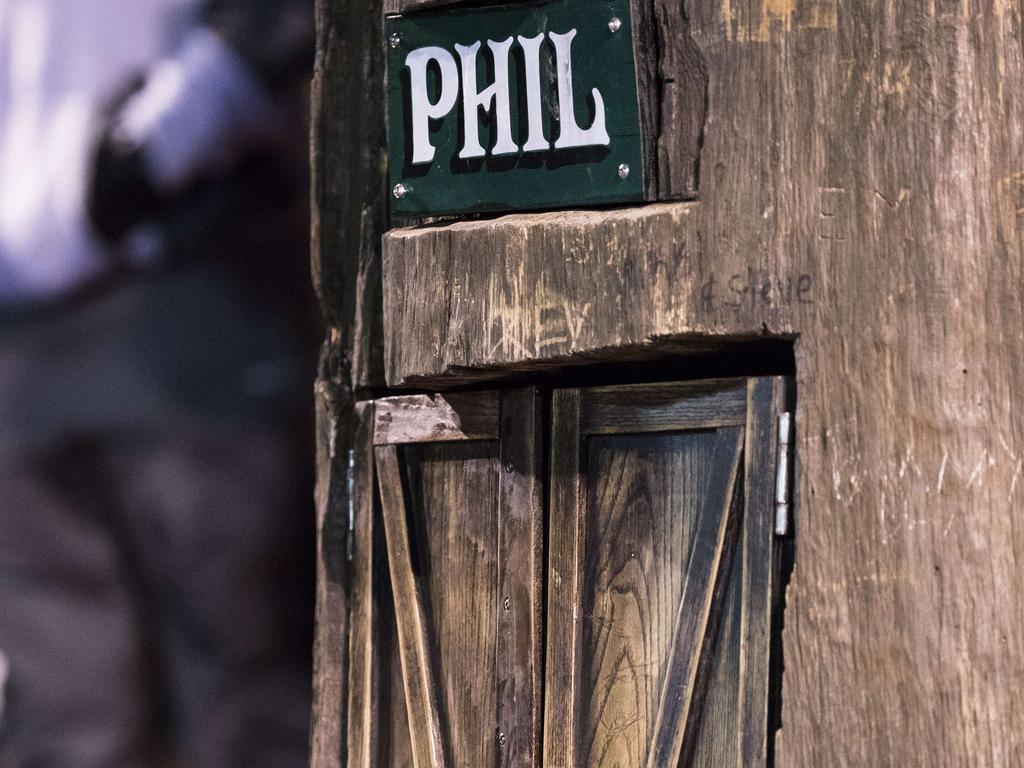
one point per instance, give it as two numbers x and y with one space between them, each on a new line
765 402
520 553
414 654
567 536
360 730
644 496
715 527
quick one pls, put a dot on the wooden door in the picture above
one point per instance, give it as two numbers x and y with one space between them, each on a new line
461 503
661 574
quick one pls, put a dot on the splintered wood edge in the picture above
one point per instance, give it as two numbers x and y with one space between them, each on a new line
517 222
437 418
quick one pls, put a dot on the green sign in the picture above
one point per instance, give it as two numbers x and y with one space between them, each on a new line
513 107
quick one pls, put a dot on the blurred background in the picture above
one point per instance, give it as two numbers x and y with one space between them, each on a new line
157 352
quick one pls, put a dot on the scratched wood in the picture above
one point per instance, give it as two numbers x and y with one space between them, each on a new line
860 191
861 188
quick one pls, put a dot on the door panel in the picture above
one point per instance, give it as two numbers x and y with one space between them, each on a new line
660 574
660 578
453 490
643 501
460 490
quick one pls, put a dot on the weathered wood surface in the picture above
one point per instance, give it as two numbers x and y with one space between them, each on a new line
861 190
348 182
521 535
644 530
436 418
759 568
664 407
362 624
329 718
690 653
464 522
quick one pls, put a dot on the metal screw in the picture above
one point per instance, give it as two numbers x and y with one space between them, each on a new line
395 40
507 604
509 467
623 174
501 738
401 190
614 25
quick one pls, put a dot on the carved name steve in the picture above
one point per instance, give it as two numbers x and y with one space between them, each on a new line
512 108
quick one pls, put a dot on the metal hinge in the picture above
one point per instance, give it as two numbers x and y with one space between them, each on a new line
782 475
350 487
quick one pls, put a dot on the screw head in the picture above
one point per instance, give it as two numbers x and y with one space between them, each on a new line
394 40
400 191
509 467
501 738
623 171
507 604
614 24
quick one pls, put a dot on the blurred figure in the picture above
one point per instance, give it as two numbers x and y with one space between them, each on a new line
155 368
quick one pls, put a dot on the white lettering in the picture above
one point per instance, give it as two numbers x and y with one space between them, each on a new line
535 141
473 101
570 133
422 109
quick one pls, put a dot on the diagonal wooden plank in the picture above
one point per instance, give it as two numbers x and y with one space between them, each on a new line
414 650
687 655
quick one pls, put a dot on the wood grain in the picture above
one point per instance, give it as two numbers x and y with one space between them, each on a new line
437 418
664 407
329 715
454 515
566 549
414 645
348 187
474 563
689 654
642 533
866 158
520 533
